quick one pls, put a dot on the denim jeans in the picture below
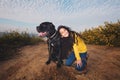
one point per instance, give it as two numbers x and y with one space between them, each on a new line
71 58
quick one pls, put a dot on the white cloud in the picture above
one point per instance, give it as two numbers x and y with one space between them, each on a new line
78 14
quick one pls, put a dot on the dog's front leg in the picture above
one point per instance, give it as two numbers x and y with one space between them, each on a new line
50 51
60 62
59 58
49 58
48 61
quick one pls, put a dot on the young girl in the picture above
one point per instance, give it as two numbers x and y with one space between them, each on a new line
79 50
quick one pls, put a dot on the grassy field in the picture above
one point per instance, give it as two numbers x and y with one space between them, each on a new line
103 64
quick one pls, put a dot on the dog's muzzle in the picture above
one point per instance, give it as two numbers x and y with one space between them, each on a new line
42 34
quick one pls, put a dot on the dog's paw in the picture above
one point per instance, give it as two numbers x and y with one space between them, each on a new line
58 65
48 62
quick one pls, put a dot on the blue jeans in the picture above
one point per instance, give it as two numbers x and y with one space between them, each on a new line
71 58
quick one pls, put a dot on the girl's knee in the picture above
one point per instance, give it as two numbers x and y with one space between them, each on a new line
68 64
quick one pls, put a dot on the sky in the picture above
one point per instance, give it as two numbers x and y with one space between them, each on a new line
25 15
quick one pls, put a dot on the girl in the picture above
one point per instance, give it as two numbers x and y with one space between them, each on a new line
78 51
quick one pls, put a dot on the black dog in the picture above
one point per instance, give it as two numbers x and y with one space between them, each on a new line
47 29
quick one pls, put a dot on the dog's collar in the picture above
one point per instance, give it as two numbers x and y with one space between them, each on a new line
53 35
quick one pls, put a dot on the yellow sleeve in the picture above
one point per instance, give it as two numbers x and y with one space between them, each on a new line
79 47
76 51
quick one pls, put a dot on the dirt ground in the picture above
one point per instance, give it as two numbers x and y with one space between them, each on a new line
103 64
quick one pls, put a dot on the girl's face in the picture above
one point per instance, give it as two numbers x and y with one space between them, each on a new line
63 32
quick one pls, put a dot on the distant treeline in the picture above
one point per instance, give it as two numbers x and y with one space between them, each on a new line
109 35
10 42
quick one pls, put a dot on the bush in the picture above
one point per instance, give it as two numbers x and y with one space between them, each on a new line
109 35
9 42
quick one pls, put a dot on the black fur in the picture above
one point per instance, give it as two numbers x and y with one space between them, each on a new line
54 42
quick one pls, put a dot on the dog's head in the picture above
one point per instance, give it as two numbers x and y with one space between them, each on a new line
46 29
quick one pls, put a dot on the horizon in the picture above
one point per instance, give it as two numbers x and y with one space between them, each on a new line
25 15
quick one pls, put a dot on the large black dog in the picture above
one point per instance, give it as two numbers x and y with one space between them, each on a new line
47 29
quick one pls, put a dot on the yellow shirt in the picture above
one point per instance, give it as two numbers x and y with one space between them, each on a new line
79 47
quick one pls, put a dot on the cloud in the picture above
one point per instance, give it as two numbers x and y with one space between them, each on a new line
78 14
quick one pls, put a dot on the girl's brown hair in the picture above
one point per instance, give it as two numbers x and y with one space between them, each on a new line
72 33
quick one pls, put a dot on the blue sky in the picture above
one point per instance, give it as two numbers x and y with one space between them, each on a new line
25 15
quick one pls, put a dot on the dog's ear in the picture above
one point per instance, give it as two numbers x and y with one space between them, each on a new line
52 25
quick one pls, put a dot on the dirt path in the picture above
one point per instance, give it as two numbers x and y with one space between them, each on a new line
103 64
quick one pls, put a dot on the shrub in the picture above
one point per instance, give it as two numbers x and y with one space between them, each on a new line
9 42
109 35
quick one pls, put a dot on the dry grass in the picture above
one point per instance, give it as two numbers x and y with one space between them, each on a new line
103 64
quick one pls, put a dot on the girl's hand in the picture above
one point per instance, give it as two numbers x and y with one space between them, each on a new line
79 63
